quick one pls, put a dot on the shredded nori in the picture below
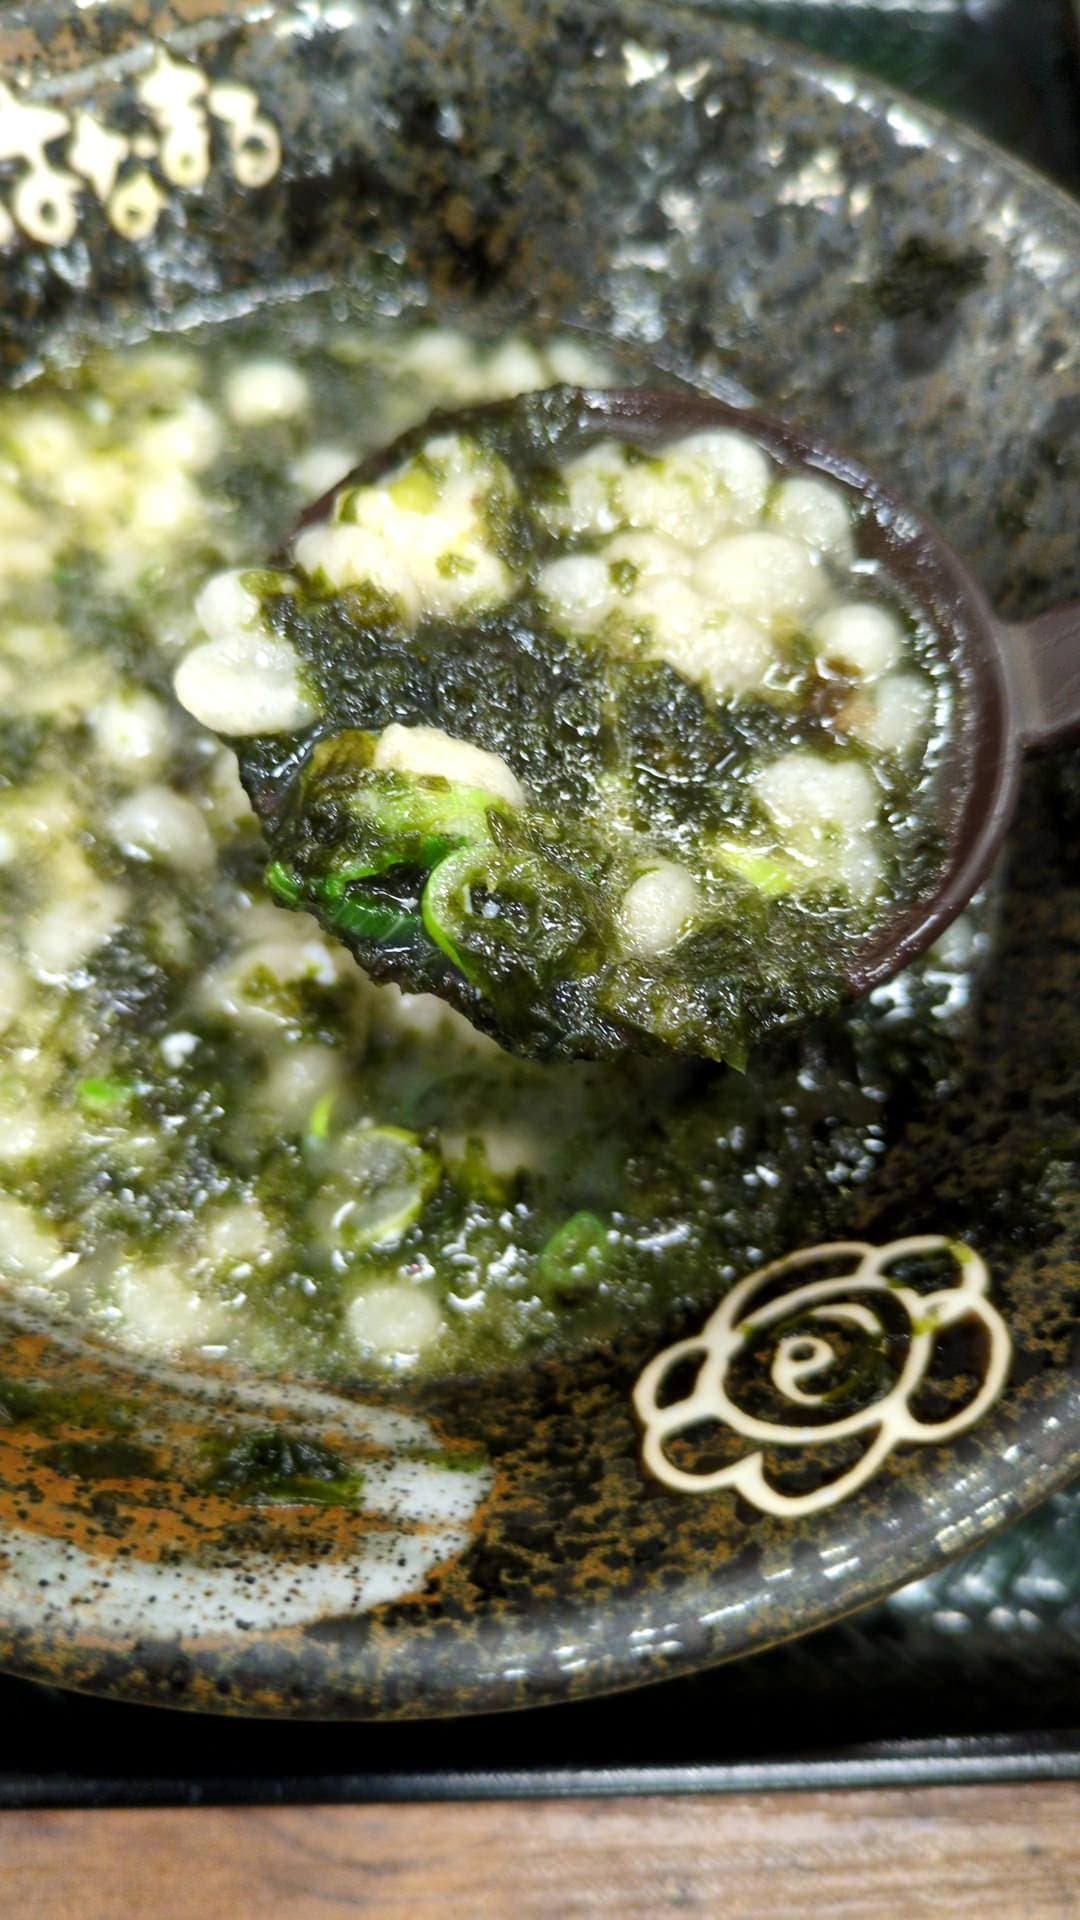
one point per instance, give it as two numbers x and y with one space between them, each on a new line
514 920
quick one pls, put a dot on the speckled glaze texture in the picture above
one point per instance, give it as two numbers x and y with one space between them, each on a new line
776 231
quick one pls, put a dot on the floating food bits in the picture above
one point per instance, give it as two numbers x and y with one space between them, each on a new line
613 746
217 1136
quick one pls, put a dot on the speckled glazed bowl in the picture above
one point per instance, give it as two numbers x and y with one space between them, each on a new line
772 230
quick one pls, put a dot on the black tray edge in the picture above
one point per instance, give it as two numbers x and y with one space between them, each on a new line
933 1763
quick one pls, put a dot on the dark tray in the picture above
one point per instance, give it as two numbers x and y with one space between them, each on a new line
971 1675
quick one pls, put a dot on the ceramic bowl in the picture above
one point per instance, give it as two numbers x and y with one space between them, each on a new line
778 232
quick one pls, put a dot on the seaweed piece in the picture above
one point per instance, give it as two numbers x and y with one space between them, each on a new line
514 912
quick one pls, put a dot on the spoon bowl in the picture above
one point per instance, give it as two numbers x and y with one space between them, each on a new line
1017 684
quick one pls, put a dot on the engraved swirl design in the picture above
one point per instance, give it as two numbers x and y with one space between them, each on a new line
834 1338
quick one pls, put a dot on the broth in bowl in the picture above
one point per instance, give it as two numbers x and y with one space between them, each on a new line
216 1133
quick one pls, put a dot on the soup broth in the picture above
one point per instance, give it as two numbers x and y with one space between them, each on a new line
216 1133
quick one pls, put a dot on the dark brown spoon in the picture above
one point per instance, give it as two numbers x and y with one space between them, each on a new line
1017 683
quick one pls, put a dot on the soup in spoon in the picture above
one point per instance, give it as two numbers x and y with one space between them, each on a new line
612 744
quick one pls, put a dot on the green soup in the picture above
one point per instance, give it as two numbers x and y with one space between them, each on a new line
216 1134
612 749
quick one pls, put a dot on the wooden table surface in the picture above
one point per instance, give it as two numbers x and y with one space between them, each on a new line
953 1853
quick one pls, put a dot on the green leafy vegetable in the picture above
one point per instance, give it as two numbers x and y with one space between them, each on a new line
376 1185
104 1094
516 914
268 1467
577 1255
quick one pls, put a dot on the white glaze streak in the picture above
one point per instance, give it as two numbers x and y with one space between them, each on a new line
415 1515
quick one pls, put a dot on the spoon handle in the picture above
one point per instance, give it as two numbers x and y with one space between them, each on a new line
1045 657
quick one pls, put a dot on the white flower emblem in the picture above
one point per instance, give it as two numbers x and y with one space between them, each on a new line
805 1316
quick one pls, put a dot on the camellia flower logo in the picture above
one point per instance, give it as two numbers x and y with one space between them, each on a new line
858 1332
